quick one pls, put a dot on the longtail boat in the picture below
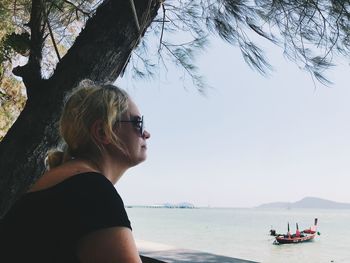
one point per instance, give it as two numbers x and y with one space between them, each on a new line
303 236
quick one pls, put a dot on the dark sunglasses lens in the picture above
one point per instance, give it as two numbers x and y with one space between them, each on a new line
138 123
142 126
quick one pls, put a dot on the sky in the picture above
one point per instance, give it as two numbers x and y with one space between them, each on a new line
250 140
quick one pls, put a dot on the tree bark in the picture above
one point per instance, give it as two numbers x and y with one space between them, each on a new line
99 53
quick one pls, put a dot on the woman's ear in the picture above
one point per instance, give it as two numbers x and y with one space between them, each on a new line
98 132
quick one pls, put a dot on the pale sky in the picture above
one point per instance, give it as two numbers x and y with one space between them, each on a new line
251 140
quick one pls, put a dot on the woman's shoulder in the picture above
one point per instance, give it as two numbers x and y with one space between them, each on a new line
67 173
89 182
85 181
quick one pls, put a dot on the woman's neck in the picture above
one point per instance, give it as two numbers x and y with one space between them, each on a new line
111 168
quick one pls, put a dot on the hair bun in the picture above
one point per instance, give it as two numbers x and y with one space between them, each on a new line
54 158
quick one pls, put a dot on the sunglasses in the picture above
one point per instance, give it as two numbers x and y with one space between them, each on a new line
138 123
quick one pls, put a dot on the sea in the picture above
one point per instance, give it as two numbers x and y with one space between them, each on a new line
244 233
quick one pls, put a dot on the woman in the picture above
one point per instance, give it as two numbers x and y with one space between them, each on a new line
73 213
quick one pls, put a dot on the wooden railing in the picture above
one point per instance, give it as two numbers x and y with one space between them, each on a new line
150 260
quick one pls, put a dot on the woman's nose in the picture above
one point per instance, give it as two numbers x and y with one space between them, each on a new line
146 135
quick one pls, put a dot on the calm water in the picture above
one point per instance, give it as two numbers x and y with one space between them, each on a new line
243 233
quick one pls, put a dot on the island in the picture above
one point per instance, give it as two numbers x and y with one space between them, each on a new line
309 203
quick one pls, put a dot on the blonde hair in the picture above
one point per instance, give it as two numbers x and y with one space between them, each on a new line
85 105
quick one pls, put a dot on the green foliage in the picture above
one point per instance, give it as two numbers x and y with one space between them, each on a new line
62 16
310 33
195 21
12 101
5 55
161 47
5 28
18 43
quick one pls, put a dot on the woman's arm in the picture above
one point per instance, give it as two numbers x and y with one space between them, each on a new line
109 245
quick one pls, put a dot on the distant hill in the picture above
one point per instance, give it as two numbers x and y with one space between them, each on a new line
308 202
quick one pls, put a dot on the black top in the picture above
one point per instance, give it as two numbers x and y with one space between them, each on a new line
45 226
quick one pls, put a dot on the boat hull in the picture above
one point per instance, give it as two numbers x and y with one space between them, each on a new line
293 240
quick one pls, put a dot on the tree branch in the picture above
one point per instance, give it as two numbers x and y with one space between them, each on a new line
50 31
135 15
53 39
14 8
145 22
163 24
31 72
77 8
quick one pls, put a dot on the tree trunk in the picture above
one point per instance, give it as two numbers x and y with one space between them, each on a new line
99 53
